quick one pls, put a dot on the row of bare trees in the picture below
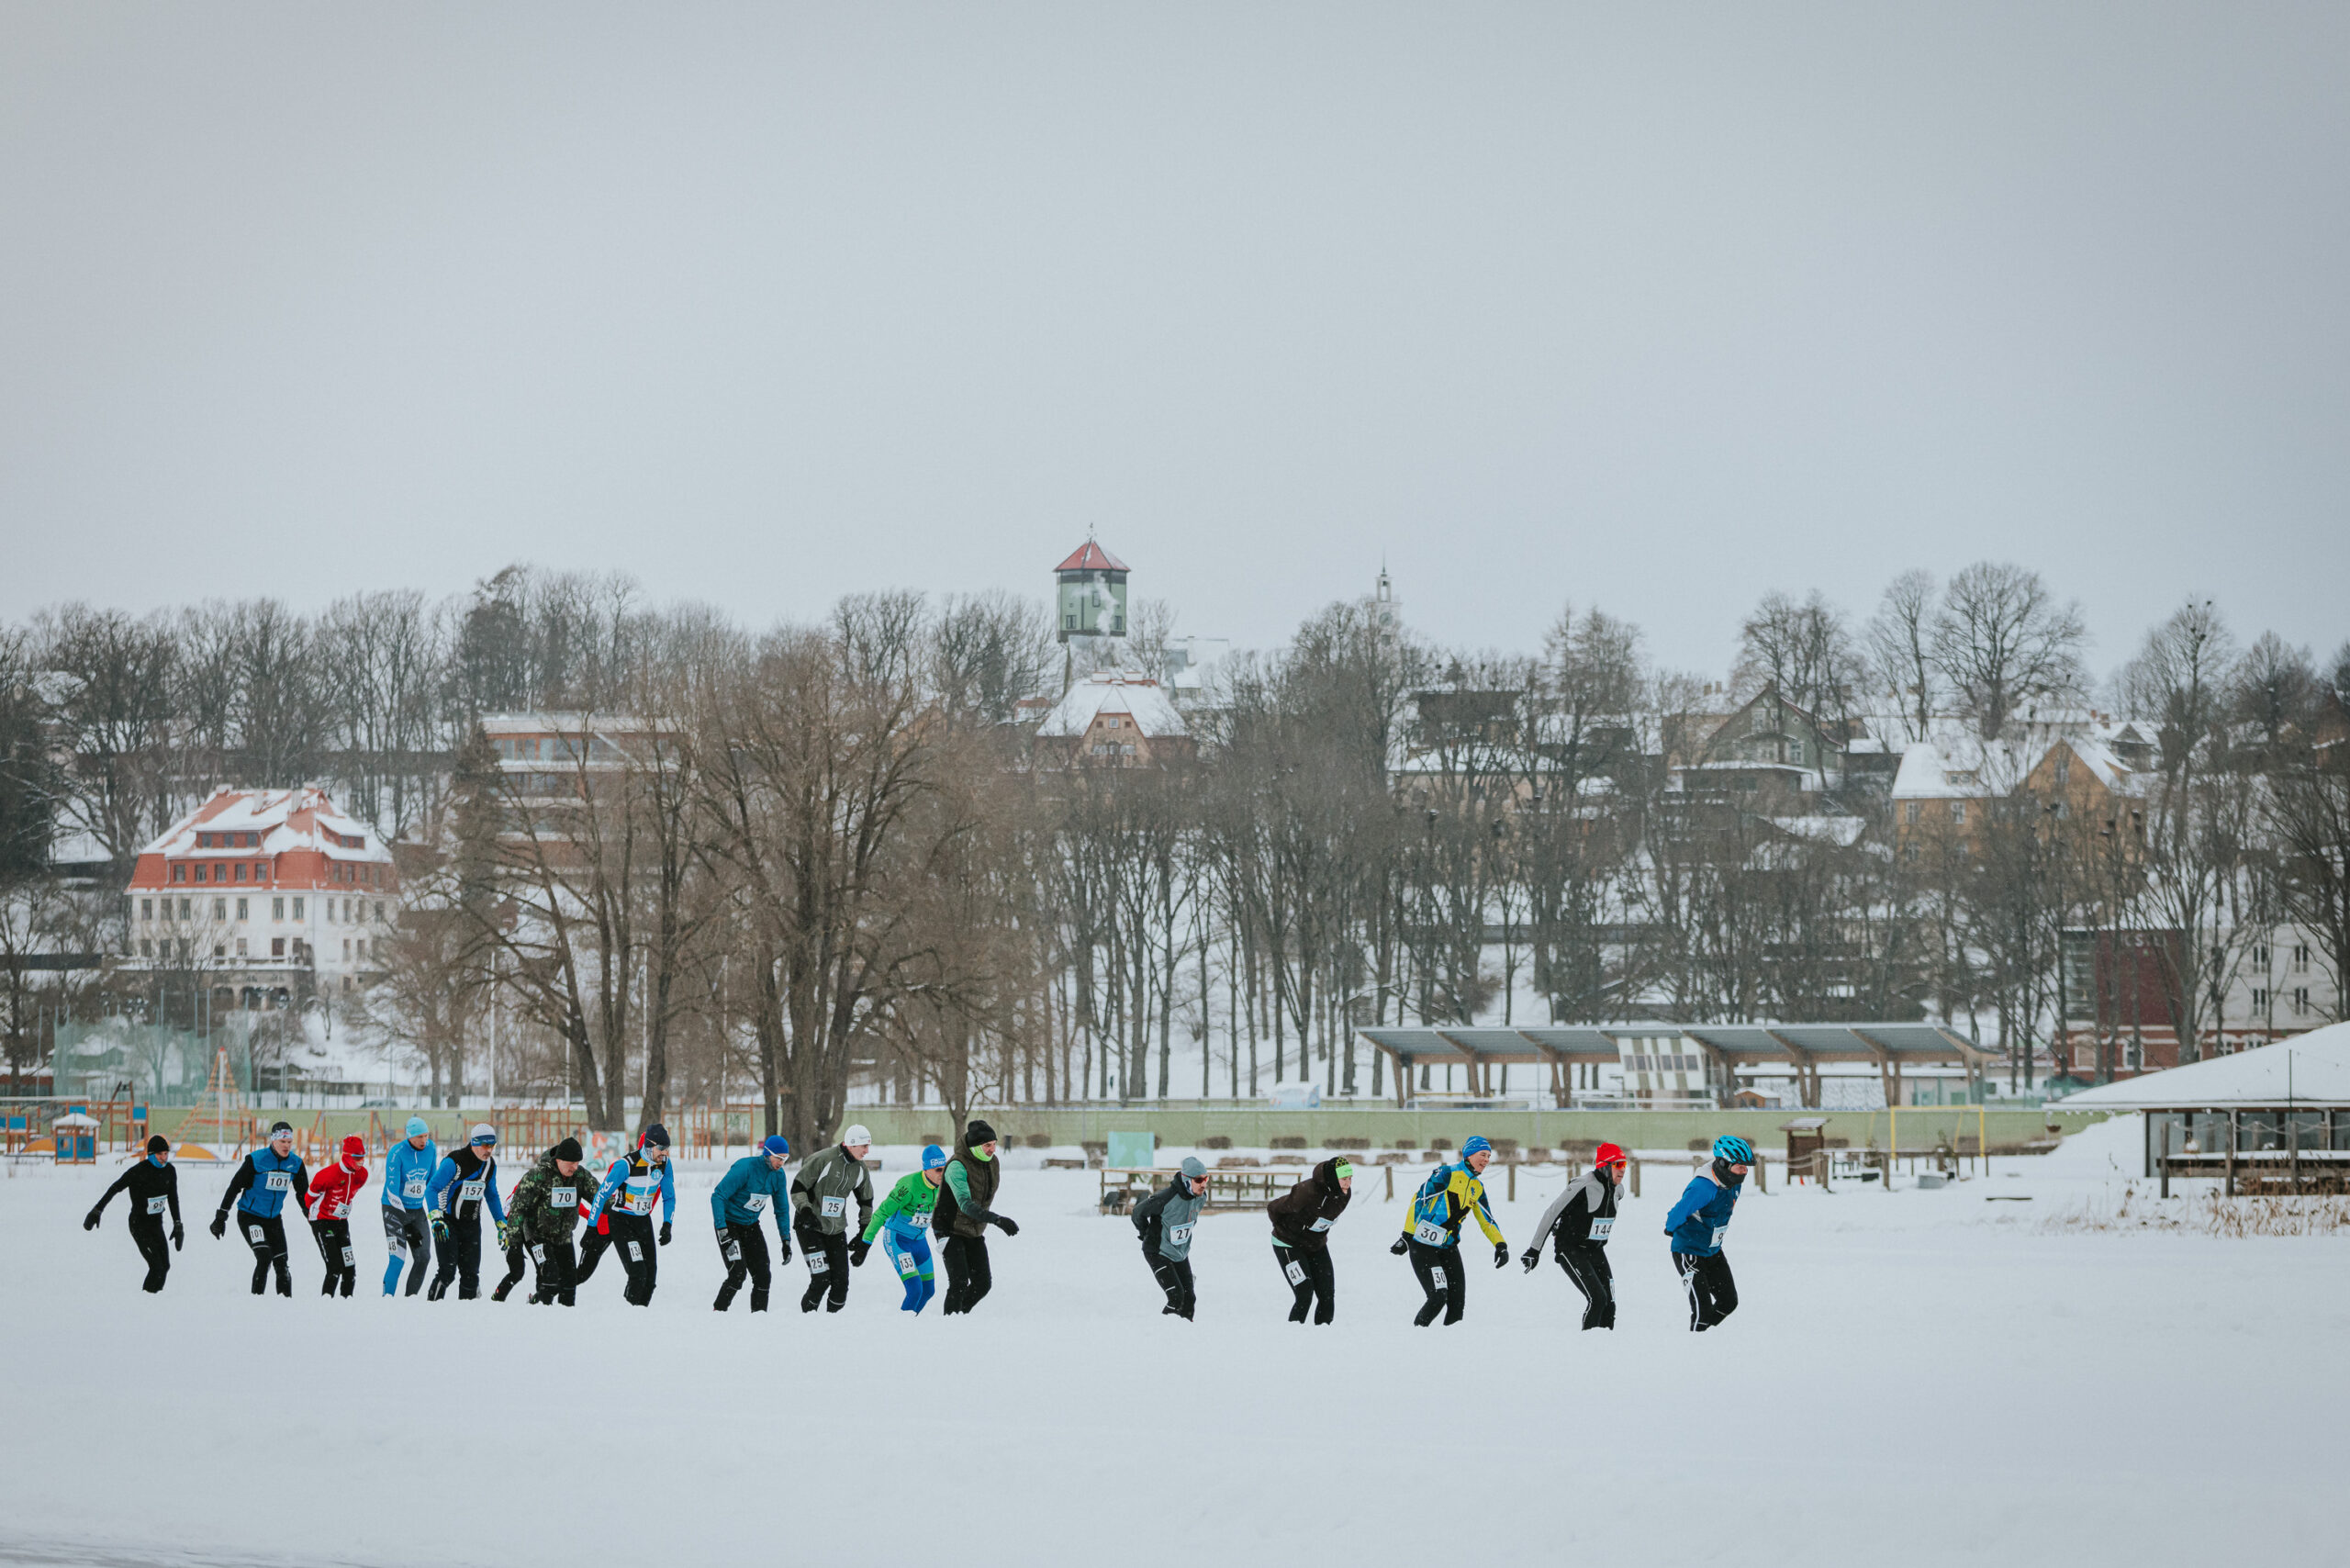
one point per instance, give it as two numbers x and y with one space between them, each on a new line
778 866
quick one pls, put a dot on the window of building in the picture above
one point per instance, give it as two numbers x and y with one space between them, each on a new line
1909 853
219 909
241 871
297 909
179 873
379 911
1910 812
260 872
146 909
2063 771
2300 957
241 909
185 906
1958 812
277 909
346 949
2300 998
240 947
219 949
277 946
146 948
2259 998
2260 955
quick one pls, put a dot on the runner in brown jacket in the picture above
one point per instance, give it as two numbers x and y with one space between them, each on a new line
1302 1222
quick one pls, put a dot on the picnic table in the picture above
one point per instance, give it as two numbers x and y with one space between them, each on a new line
1248 1187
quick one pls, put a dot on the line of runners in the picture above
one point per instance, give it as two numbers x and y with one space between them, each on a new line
432 1207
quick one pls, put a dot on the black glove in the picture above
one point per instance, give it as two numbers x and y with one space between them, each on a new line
1402 1245
1531 1257
176 1235
858 1252
220 1225
785 1255
665 1233
90 1220
1004 1224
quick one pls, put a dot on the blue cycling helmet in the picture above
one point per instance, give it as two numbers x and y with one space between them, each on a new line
934 1157
776 1146
1476 1146
1735 1150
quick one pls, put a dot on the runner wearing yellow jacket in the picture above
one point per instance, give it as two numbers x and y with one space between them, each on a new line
1432 1236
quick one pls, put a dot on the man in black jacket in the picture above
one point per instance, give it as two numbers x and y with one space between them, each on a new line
155 1189
1302 1220
1577 1222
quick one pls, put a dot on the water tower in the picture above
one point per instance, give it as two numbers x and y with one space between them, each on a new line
1093 594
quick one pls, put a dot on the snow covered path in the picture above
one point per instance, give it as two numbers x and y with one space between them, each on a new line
1921 1377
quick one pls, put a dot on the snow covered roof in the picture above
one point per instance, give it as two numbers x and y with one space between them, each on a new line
2312 1069
1127 692
1957 768
1091 558
1842 832
284 819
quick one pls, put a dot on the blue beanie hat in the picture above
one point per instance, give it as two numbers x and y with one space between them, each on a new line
777 1146
934 1157
417 1129
1476 1146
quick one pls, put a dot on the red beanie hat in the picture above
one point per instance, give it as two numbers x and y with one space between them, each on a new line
1608 1155
354 1148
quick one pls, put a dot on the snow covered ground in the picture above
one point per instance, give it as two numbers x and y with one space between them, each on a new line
1917 1377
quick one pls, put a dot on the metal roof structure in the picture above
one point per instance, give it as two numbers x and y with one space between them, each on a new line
1799 1046
1091 558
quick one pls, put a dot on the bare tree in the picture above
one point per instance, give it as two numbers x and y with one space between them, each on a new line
1898 645
2003 642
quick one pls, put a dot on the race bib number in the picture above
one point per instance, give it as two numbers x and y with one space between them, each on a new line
342 1211
1600 1228
818 1262
835 1207
280 1182
538 1256
1294 1272
757 1203
635 1253
1719 1231
347 1257
256 1235
915 1221
1427 1233
399 1246
634 1202
158 1204
414 1187
907 1267
469 1191
1180 1236
562 1197
1321 1222
1436 1278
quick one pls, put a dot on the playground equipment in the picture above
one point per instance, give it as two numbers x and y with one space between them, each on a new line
74 1135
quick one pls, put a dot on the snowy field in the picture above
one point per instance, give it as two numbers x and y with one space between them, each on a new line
1912 1377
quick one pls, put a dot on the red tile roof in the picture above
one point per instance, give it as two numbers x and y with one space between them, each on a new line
1091 558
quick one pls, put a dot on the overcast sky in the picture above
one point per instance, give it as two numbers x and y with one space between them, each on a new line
1660 307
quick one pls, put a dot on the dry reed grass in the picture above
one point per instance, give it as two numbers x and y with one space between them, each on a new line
2203 1214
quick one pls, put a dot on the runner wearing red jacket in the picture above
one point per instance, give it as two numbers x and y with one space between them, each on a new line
333 1191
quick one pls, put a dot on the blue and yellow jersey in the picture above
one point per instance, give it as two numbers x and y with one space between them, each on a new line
1449 1195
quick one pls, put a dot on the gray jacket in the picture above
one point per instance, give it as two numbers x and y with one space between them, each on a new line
820 1193
1165 1219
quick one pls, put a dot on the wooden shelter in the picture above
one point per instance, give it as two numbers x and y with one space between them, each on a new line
2274 1119
1800 1048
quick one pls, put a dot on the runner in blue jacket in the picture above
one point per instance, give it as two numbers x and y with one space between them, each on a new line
408 1172
259 1190
1698 1221
462 1186
622 1217
753 1185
